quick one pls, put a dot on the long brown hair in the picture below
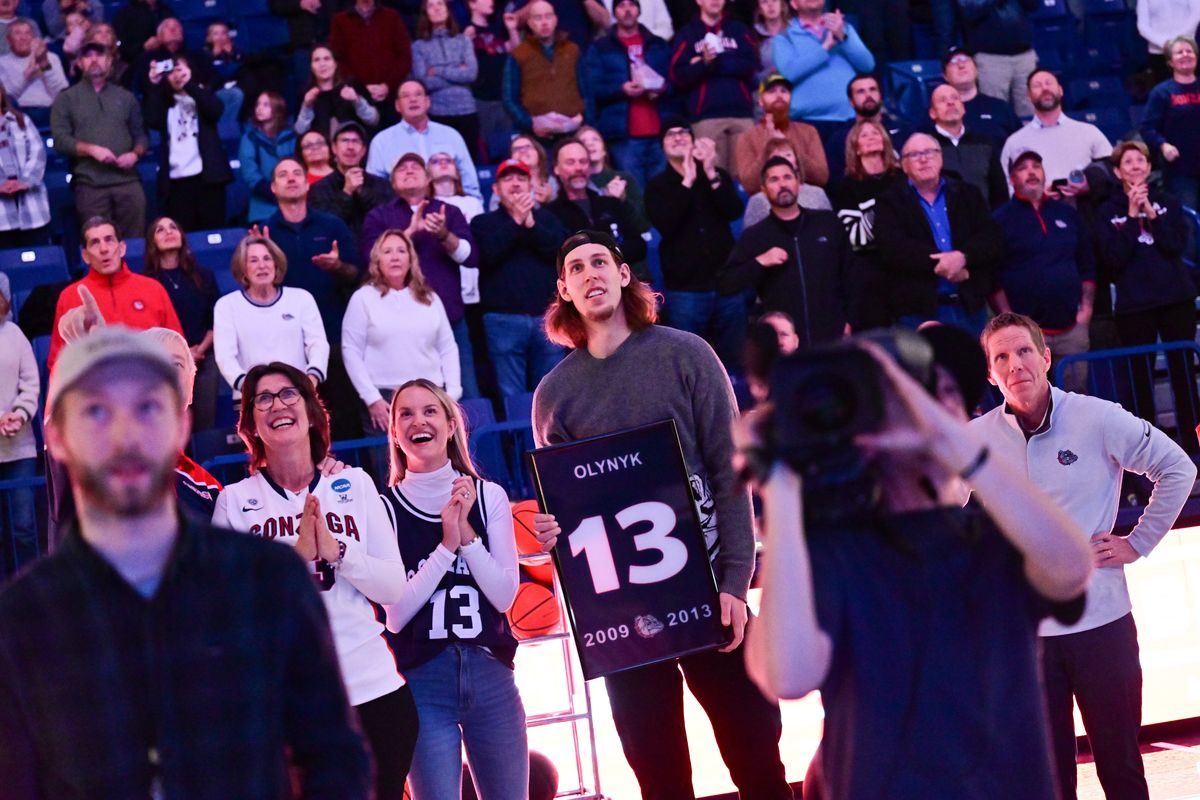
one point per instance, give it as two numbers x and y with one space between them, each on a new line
564 324
279 114
854 167
457 448
318 418
187 260
425 27
415 281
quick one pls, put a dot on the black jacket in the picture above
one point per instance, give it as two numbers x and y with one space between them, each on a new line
1146 256
906 243
608 214
812 286
975 160
327 195
209 109
694 224
517 271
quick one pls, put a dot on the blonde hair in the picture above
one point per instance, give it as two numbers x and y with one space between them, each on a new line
854 167
415 281
457 448
237 264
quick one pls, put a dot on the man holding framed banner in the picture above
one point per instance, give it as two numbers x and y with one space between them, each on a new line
628 373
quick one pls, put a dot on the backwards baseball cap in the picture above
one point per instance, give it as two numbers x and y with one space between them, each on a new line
579 239
1024 155
956 50
675 121
109 344
772 80
512 165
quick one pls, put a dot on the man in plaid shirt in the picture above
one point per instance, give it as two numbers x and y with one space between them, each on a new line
150 657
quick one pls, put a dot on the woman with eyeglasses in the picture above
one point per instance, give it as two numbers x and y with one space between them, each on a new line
450 635
266 321
339 526
315 156
527 150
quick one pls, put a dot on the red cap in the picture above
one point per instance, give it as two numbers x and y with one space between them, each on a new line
509 165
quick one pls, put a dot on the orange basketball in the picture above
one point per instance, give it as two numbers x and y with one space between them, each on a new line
523 512
534 611
541 570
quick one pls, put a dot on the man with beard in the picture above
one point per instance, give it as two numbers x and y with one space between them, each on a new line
350 192
796 260
867 100
103 692
775 97
1068 147
1048 270
580 208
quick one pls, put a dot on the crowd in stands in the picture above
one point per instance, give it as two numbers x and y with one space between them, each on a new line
406 171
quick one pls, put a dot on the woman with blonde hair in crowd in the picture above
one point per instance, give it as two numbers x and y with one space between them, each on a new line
450 635
396 329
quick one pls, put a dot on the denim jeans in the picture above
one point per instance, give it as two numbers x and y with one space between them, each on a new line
466 359
465 696
20 518
640 156
720 320
521 353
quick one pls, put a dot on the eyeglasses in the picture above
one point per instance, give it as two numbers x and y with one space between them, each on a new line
288 396
441 160
317 145
961 58
921 155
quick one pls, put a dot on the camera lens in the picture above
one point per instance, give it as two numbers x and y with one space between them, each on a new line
827 404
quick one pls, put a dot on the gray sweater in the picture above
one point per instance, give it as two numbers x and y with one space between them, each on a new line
110 117
656 374
447 66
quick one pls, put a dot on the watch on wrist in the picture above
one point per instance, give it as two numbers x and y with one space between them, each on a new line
341 554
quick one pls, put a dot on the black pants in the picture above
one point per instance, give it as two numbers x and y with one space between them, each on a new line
647 707
1174 323
195 205
390 725
1100 670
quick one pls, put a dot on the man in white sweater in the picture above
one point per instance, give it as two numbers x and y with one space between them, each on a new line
31 74
1076 448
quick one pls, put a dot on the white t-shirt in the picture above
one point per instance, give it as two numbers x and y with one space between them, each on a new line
289 329
183 128
391 338
371 568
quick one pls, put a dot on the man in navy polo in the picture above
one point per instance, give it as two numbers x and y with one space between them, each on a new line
1048 270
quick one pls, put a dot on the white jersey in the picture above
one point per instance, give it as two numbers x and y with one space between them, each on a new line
371 568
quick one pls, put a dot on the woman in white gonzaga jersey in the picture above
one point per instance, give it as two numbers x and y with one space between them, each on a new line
449 635
339 525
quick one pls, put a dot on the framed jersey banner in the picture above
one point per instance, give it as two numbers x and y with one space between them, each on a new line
631 559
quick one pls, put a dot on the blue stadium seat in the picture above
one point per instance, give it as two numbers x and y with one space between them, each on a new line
41 353
215 442
1051 9
518 406
214 249
1101 91
1112 122
1104 7
187 10
135 254
58 184
478 412
30 267
253 8
909 84
262 32
487 177
1102 58
1054 41
1192 257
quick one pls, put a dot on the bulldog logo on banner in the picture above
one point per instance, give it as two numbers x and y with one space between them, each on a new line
632 559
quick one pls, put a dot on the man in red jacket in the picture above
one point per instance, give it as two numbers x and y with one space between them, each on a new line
122 297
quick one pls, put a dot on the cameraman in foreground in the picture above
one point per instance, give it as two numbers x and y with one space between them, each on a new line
917 620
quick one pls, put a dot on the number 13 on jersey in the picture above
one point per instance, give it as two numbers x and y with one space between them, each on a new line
633 553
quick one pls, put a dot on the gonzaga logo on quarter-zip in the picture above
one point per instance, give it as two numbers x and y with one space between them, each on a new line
1067 458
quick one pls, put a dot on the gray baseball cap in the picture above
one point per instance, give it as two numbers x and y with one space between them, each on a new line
111 343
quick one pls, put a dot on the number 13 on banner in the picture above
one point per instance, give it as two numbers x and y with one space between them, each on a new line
591 540
635 555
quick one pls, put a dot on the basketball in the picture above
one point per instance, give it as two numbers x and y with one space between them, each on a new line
534 611
527 543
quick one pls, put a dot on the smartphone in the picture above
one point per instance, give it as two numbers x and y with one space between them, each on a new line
1057 184
163 67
